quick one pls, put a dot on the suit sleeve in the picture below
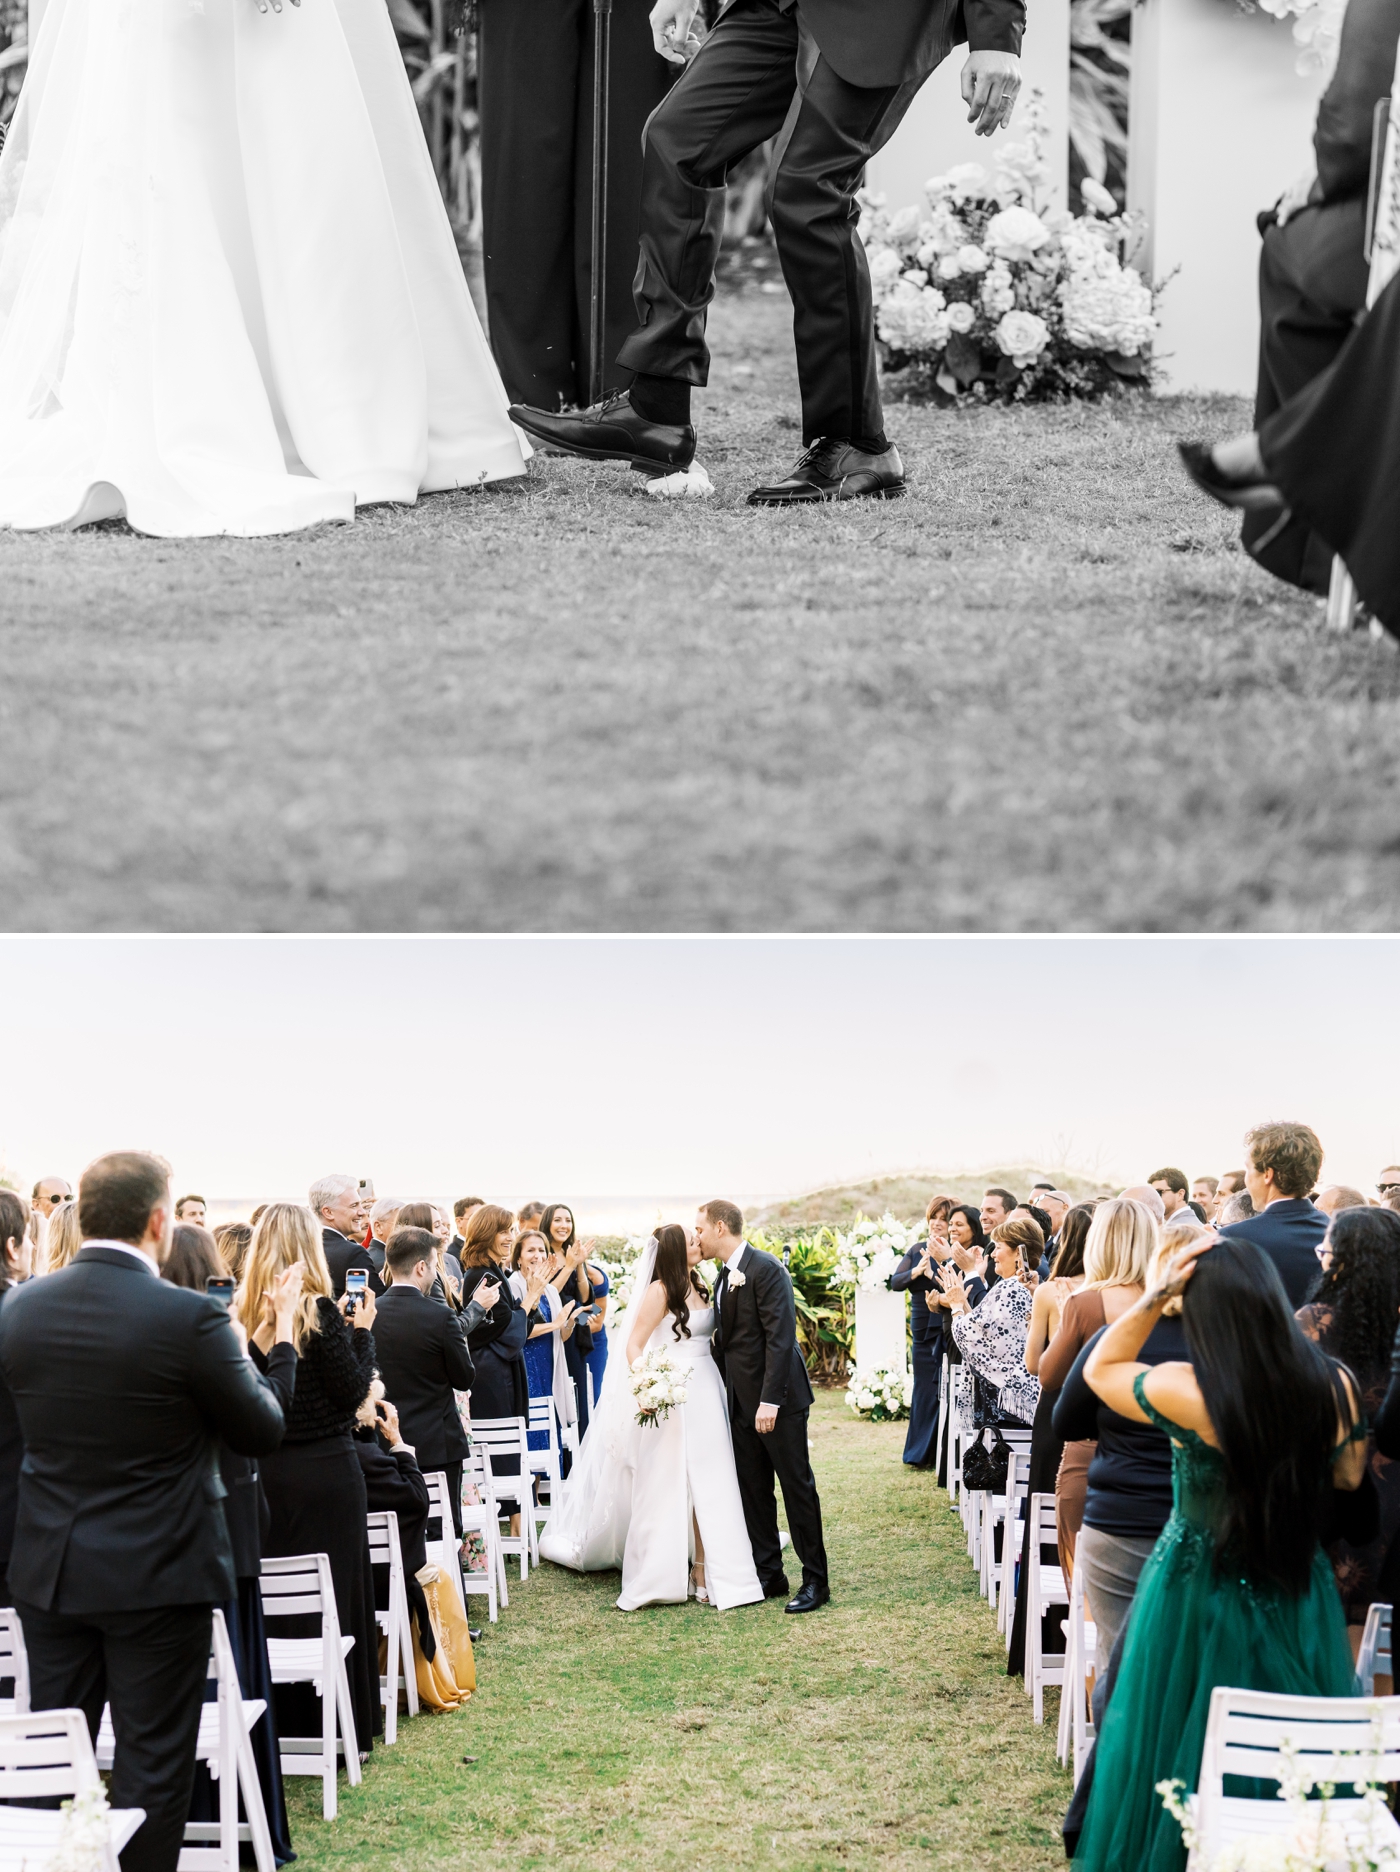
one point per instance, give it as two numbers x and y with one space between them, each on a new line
994 25
240 1403
778 1317
455 1356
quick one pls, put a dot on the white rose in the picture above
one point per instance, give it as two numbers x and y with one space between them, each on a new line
966 181
972 259
1016 233
1022 336
961 316
949 267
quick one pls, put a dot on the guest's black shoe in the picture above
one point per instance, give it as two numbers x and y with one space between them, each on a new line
833 469
777 1589
611 431
1253 494
808 1597
474 1635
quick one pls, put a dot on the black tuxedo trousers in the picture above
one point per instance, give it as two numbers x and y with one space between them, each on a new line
761 75
535 59
758 1460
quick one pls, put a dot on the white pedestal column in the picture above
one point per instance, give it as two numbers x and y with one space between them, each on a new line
935 133
1219 122
880 1340
36 13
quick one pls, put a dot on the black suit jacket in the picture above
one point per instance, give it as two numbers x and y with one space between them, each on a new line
423 1359
342 1253
1288 1232
11 1456
876 43
124 1385
755 1342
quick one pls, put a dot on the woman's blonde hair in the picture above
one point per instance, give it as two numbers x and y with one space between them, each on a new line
1174 1238
63 1237
286 1233
1121 1241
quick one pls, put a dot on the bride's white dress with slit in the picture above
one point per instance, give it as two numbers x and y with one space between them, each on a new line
230 299
628 1502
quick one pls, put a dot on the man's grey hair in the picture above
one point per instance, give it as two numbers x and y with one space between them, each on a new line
326 1189
1238 1208
386 1206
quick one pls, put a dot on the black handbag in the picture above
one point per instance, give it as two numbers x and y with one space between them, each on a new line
986 1469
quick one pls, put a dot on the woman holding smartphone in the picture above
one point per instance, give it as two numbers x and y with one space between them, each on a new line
992 1335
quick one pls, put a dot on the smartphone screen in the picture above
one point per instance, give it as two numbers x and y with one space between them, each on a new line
356 1280
221 1287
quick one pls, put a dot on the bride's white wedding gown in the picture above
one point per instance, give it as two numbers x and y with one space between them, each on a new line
230 299
628 1502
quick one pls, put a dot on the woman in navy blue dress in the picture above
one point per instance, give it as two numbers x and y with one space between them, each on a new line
915 1275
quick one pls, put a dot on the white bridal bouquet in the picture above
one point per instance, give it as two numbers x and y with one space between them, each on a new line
997 295
659 1382
882 1396
869 1252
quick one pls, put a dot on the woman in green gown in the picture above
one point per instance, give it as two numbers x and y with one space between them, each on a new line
1237 1590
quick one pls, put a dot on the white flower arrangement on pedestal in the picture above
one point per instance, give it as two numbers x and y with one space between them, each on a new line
869 1252
1312 1841
659 1383
882 1396
996 295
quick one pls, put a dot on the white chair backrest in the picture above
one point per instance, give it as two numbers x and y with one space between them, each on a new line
45 1753
14 1659
1384 204
440 1501
295 1584
1375 1655
1247 1728
382 1525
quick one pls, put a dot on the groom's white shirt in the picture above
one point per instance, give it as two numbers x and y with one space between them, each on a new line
731 1266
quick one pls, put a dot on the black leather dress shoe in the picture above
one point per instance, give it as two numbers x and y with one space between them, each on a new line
777 1589
475 1636
611 431
832 470
808 1597
1252 494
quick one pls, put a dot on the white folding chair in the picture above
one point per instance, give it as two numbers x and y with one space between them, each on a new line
1076 1732
1344 1740
940 1436
292 1586
505 1436
485 1519
14 1662
545 1462
225 1726
1374 1658
46 1754
398 1673
1045 1588
1018 1478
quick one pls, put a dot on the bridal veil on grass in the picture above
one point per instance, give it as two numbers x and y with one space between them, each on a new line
230 299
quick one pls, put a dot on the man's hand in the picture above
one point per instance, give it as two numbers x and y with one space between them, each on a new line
764 1418
1295 196
990 83
670 23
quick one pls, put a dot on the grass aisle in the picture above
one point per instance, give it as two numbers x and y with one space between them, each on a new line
882 1731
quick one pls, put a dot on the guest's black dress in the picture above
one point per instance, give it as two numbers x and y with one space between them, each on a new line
316 1495
925 1325
246 1513
500 1387
1334 450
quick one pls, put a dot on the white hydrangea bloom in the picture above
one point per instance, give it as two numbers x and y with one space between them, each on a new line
912 318
1107 307
884 263
972 259
998 292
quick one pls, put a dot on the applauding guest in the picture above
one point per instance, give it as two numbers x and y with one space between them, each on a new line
992 1335
124 1385
570 1276
551 1321
314 1487
336 1203
916 1276
423 1358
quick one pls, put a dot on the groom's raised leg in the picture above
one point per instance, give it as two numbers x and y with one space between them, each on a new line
753 1465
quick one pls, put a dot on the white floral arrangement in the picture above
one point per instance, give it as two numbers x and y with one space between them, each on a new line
870 1251
659 1383
621 1279
998 296
83 1836
1311 1841
882 1396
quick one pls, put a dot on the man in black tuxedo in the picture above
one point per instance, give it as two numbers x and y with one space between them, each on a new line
769 1395
335 1201
1282 1164
124 1385
421 1347
831 79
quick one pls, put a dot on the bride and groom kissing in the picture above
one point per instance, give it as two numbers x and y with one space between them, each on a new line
687 1507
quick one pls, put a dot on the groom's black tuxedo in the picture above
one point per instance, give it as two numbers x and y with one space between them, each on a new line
755 1347
882 42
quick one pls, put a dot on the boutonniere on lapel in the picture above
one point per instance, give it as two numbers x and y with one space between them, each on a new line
737 1279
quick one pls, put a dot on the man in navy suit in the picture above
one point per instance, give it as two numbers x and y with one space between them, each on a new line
1282 1164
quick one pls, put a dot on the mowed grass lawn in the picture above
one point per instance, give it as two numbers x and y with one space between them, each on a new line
1043 692
881 1732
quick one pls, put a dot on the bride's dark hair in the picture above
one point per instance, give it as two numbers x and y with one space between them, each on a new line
672 1268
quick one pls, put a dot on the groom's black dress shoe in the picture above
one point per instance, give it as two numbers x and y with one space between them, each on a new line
1255 494
833 469
808 1597
777 1589
611 431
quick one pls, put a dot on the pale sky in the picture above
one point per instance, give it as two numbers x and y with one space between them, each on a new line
628 1070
